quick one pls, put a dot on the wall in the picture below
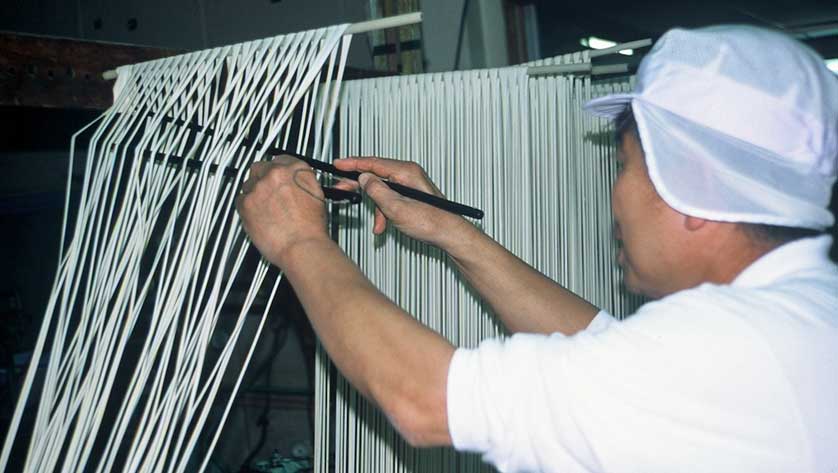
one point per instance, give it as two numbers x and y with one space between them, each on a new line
197 24
484 35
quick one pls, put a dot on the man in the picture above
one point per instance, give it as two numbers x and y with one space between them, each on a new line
728 153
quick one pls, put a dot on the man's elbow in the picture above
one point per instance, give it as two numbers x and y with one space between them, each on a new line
420 424
417 411
413 395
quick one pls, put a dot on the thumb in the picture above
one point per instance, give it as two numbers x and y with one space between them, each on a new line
386 200
384 197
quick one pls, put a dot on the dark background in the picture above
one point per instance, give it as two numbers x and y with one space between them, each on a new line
274 411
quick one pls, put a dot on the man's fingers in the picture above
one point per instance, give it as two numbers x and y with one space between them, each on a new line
383 196
347 185
248 185
402 172
305 176
380 222
285 159
279 170
259 169
305 179
381 167
407 173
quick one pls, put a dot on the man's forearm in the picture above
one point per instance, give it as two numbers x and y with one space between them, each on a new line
524 299
386 354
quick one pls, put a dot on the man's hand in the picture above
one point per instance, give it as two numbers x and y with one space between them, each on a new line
413 218
279 207
523 298
363 331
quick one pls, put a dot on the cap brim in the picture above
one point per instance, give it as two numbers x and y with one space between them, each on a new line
609 106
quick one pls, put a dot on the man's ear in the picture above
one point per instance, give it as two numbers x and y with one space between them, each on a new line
694 224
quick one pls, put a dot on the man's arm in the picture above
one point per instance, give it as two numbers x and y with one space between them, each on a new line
387 355
523 298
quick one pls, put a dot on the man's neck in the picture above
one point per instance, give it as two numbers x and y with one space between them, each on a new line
731 259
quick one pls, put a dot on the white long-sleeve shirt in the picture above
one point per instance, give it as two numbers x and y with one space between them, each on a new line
718 378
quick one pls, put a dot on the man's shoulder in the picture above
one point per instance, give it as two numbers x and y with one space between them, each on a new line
730 319
812 293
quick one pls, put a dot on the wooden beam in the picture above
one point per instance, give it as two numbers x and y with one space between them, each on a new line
47 72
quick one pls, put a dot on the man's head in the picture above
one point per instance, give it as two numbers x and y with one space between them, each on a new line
729 147
663 250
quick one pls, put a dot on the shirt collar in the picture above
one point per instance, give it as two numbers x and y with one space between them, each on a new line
786 259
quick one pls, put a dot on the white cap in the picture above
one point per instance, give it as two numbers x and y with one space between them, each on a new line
738 124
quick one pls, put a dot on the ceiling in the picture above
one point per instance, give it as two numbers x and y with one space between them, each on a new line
563 23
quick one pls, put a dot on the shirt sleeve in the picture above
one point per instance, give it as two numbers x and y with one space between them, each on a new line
497 392
476 400
600 399
468 428
601 321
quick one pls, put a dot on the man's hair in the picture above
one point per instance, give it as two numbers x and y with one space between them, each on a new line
625 123
777 234
758 232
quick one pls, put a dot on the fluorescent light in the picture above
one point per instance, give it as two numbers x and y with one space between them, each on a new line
599 43
832 65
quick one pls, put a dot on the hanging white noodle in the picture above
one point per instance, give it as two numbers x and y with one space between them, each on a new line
519 148
156 248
